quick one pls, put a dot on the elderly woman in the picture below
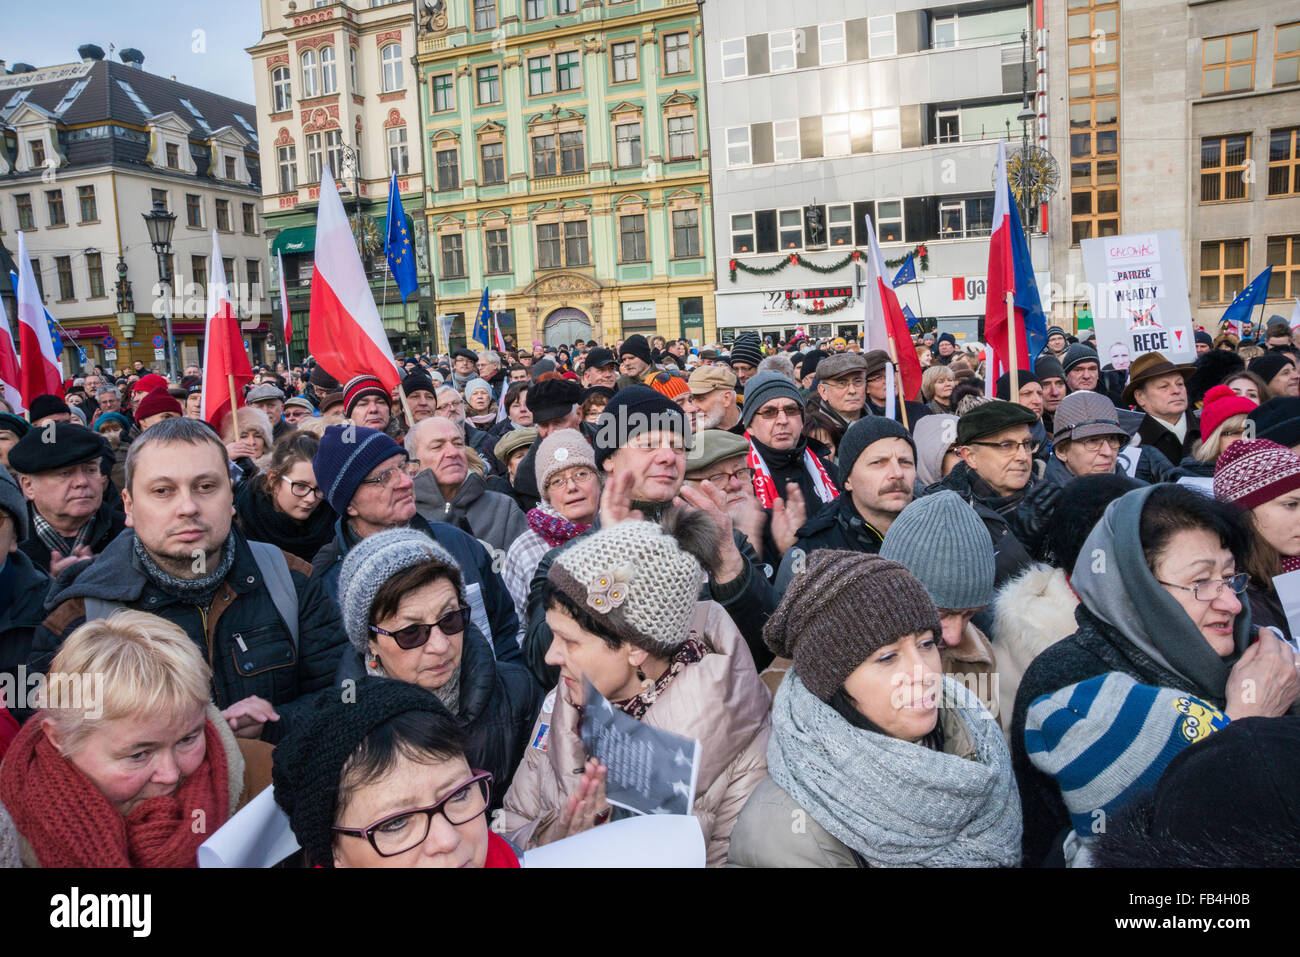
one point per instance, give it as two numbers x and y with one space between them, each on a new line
284 505
937 383
382 779
1223 422
936 440
887 762
1158 582
126 756
594 400
621 606
481 407
407 618
249 441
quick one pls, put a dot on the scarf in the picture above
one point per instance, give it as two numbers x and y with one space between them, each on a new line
554 529
56 541
691 651
484 420
765 486
263 522
448 694
895 803
1290 563
69 823
199 591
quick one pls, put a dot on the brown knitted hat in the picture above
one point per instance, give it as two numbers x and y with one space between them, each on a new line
842 608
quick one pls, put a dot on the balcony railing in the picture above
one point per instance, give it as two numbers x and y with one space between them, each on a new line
567 181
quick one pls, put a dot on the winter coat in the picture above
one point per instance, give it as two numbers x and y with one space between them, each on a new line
490 604
241 634
837 526
1156 436
107 522
718 700
498 704
494 519
973 662
1009 555
1266 607
22 601
789 465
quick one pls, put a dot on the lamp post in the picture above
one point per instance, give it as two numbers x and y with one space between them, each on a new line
161 222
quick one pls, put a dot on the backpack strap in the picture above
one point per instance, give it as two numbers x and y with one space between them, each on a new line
275 572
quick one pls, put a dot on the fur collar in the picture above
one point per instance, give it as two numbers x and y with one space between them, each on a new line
1032 612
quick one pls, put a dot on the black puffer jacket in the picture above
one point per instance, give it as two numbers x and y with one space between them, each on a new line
839 526
107 522
22 602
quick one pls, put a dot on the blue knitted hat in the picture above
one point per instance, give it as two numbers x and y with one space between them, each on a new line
346 455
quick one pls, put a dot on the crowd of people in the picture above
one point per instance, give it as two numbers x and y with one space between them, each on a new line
1029 622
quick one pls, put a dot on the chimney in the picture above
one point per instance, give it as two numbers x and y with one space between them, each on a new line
132 56
89 52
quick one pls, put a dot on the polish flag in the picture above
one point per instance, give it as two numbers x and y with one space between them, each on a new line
41 373
1010 271
10 374
884 321
284 306
344 331
226 368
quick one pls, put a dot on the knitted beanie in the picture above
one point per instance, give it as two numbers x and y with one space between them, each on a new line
1002 389
764 387
810 362
346 455
475 384
1269 365
159 400
148 383
44 405
1221 404
842 608
418 381
941 541
104 417
1277 419
865 431
1252 472
633 410
1076 354
358 387
1048 367
373 561
746 349
668 384
560 450
1107 740
639 579
636 345
13 502
308 762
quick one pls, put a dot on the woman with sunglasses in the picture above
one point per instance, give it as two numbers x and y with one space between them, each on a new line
284 505
1159 582
383 779
407 618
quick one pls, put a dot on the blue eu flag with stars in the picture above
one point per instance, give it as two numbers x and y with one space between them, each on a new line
906 272
480 332
397 246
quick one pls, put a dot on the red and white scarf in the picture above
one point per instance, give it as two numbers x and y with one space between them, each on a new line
765 485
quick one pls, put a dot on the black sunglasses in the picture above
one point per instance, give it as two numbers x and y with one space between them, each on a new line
416 636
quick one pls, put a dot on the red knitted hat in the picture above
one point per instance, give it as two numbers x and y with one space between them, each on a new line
1252 472
148 383
1221 404
359 386
159 400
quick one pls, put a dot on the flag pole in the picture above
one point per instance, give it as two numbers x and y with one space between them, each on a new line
902 402
1011 346
234 420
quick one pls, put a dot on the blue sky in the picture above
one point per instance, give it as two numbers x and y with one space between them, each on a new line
47 33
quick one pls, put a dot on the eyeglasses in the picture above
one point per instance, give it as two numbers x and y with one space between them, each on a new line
790 412
1010 448
1093 443
720 479
417 635
404 830
1213 588
388 477
846 382
302 489
578 478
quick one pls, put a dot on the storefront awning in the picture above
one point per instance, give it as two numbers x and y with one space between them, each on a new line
299 239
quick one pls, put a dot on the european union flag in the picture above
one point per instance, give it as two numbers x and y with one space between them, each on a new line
1248 298
49 320
481 320
912 321
397 246
906 273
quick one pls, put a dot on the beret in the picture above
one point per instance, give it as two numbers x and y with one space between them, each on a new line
72 445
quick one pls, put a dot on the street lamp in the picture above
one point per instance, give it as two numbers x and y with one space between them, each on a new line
161 222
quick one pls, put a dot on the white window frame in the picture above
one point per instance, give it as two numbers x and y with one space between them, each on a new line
882 41
398 79
673 155
780 43
780 240
787 132
733 56
633 62
742 231
943 115
833 224
399 159
352 69
315 157
618 145
830 48
827 149
281 89
737 143
329 71
309 72
886 121
934 33
880 219
547 77
686 50
947 206
287 159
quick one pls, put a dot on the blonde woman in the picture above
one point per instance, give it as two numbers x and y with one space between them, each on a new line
937 383
249 442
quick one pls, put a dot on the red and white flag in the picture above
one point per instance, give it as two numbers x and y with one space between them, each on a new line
284 307
884 321
225 361
10 374
40 371
344 331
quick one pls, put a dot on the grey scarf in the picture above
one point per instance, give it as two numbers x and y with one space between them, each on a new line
895 803
199 591
448 694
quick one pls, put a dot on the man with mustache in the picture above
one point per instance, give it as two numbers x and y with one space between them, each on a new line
267 627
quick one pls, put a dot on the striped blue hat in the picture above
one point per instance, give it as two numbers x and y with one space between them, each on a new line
1107 740
346 455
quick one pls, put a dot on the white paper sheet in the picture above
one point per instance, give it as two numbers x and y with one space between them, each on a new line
1200 483
258 836
1288 590
656 840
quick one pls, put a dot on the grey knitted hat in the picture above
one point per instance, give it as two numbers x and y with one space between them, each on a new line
376 559
764 387
560 450
865 431
13 502
941 541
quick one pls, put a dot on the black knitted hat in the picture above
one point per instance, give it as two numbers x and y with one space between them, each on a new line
1277 419
633 410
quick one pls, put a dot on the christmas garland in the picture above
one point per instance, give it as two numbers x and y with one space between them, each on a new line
794 259
824 310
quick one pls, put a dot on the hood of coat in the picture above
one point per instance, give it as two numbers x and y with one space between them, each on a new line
1113 582
428 493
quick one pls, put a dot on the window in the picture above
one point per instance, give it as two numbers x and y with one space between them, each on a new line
329 78
562 244
444 98
534 9
544 155
194 210
223 215
681 137
356 153
228 267
742 233
453 255
86 199
943 33
790 228
572 152
157 196
835 135
26 220
489 84
493 156
287 160
831 43
952 219
1094 120
1223 270
549 251
390 58
947 125
569 76
979 216
733 58
485 14
889 221
885 134
38 154
1228 64
254 269
839 221
539 75
1224 168
627 145
631 239
498 251
448 166
40 279
1284 162
352 70
281 93
881 31
398 158
686 233
785 140
575 243
250 218
95 273
1286 55
230 168
625 63
1284 257
566 6
310 74
173 156
738 153
677 53
780 50
63 266
314 161
54 203
334 151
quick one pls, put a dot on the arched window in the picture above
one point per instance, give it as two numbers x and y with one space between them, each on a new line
391 57
329 78
310 79
281 92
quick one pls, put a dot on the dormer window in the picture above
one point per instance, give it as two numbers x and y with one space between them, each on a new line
230 167
173 156
38 153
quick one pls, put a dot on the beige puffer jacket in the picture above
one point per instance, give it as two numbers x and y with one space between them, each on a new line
719 701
